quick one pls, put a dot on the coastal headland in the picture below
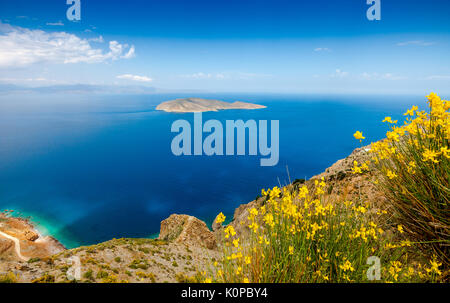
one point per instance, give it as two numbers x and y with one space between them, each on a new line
185 246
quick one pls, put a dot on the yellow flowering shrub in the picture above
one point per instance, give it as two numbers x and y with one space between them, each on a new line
301 236
414 169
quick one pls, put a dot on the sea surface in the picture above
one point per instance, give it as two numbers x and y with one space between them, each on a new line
89 168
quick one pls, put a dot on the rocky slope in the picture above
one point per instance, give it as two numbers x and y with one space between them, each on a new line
185 248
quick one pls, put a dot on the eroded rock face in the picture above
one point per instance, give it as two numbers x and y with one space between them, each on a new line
187 230
240 220
342 168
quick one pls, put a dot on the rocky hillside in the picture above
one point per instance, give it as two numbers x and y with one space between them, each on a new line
185 247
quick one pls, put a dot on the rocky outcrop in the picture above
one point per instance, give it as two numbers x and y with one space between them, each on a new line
31 235
240 220
343 167
188 230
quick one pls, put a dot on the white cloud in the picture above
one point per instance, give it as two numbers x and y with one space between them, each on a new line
322 49
22 47
415 42
99 39
59 23
135 78
130 54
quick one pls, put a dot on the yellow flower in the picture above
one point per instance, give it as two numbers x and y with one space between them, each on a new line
405 243
435 267
410 112
358 135
394 269
390 174
246 280
347 266
445 152
268 218
248 260
411 167
394 136
355 168
220 218
389 120
429 155
400 229
236 242
291 250
253 212
229 231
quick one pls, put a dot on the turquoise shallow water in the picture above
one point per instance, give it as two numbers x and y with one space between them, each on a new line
91 168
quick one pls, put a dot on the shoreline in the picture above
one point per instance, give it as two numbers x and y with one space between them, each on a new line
43 227
21 240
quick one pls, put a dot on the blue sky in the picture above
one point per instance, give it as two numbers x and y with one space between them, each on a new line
321 46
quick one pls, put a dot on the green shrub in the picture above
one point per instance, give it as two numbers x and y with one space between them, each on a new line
89 275
414 173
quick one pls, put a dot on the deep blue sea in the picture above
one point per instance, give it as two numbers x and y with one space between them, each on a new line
88 168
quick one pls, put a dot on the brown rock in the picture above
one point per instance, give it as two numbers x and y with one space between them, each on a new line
240 220
31 235
187 230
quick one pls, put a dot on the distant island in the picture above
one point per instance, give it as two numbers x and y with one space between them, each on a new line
192 105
